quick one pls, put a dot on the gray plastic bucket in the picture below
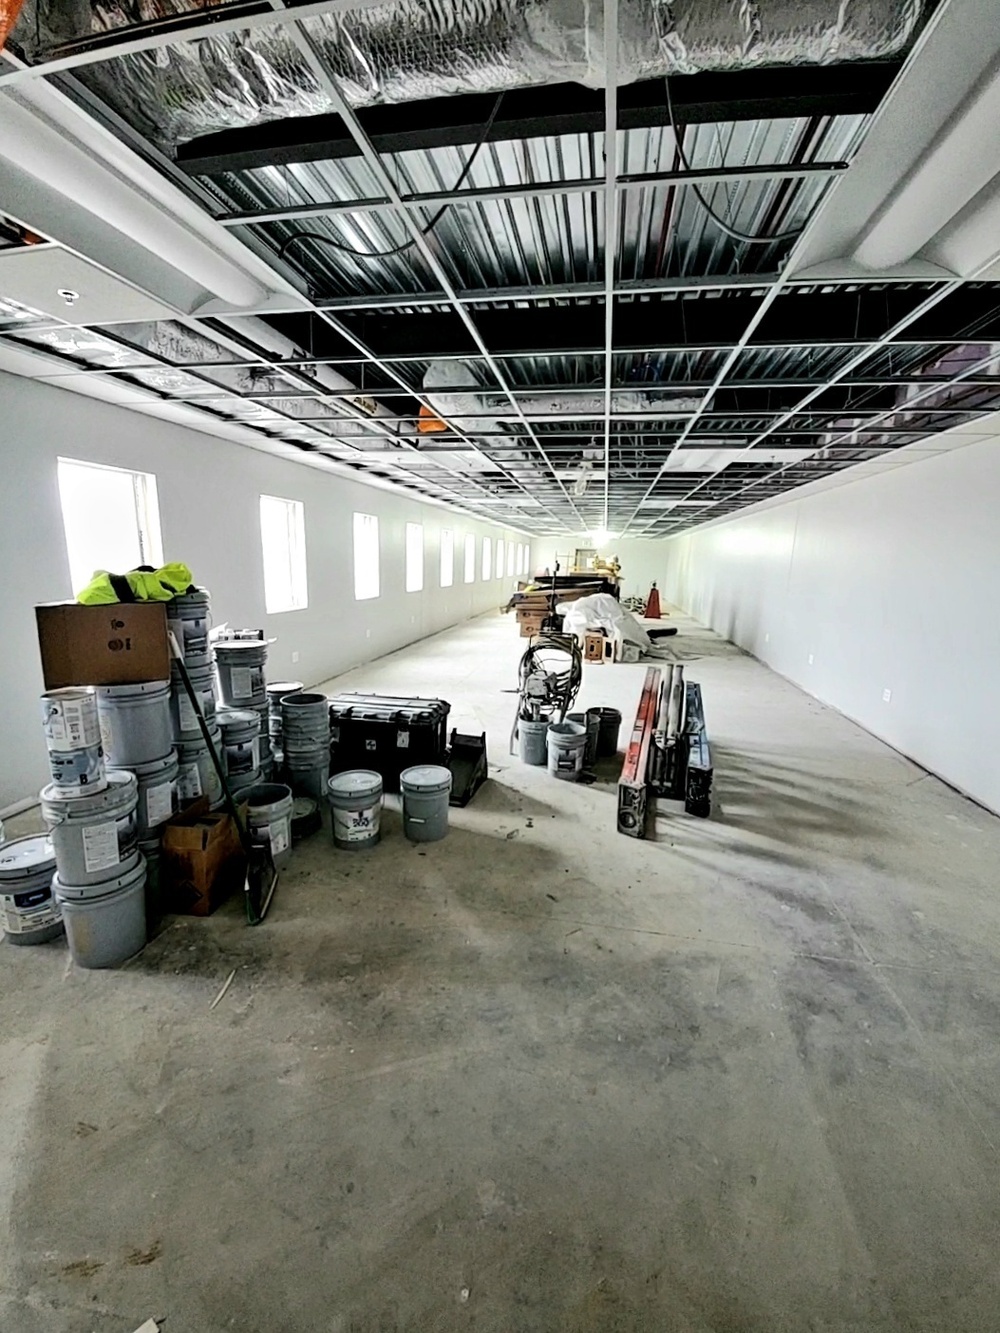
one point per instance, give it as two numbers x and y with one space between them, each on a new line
157 793
105 923
94 837
531 740
183 718
190 617
425 789
28 912
305 716
269 819
355 808
241 740
608 720
276 691
567 742
239 670
591 724
197 775
135 722
73 736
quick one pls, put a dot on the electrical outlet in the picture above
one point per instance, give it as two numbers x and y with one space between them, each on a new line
811 659
413 620
887 696
368 633
767 638
295 658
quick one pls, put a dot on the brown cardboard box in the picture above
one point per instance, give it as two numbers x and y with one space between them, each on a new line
593 647
201 860
102 645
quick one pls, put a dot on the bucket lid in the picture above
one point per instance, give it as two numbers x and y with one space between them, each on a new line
24 857
280 687
128 879
70 692
193 597
155 767
136 690
236 718
122 788
357 782
240 646
426 778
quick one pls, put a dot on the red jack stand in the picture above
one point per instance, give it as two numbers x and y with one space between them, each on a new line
653 611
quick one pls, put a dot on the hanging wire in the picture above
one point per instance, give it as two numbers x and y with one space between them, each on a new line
730 231
424 231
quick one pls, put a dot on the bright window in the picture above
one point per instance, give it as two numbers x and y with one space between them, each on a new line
447 558
111 518
510 560
527 560
521 561
414 557
487 558
470 558
499 564
283 541
366 578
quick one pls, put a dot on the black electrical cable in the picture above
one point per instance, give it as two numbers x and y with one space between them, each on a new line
424 231
730 231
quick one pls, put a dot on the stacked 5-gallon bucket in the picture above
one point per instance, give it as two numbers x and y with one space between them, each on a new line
98 888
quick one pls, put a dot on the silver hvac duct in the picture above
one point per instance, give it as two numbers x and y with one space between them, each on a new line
407 50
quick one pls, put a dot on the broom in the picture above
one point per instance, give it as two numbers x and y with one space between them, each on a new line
262 874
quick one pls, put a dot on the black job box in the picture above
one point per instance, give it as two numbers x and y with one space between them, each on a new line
387 734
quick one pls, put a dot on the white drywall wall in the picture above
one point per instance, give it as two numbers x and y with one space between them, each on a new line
887 583
209 511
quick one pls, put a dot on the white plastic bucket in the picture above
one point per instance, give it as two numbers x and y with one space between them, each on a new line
157 793
73 736
95 836
190 617
197 775
425 789
135 722
183 718
28 912
105 923
241 740
239 669
566 743
269 819
355 807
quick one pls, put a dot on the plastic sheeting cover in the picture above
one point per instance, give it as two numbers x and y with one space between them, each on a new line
412 49
602 612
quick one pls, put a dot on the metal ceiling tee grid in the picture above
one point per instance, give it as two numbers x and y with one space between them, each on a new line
567 259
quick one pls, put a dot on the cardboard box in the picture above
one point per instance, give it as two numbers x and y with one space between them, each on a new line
202 862
102 645
593 647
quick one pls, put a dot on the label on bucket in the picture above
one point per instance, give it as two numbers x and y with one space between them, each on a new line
71 724
245 682
276 834
186 716
100 847
159 804
189 782
22 913
355 825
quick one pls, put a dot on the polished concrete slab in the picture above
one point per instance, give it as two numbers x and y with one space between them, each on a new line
538 1076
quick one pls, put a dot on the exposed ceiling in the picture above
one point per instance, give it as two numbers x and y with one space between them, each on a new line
603 350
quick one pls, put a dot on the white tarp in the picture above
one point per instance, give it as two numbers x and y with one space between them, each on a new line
603 612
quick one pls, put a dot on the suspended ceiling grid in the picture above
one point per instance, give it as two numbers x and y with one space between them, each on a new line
792 380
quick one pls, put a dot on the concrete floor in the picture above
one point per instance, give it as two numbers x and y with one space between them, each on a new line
540 1076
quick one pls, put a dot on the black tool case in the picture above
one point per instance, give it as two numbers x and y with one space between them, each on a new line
386 734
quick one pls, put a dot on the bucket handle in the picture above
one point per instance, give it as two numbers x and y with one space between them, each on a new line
413 820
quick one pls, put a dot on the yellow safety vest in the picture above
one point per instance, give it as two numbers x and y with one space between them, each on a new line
138 585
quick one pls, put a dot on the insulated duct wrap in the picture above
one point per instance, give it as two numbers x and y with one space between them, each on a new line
413 49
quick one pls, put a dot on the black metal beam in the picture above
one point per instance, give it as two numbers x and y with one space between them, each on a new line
531 113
